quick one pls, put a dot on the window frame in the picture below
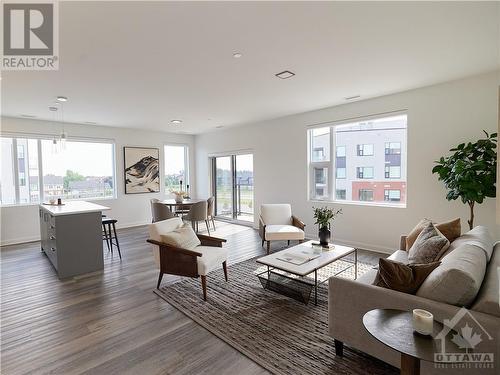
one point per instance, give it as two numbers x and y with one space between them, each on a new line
187 176
331 165
47 137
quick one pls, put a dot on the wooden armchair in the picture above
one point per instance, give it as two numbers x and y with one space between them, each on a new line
206 257
276 223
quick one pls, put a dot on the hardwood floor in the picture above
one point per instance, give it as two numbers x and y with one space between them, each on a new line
111 322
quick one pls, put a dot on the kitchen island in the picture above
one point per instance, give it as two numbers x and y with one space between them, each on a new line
71 237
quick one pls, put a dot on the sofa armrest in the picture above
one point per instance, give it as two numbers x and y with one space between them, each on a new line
402 243
296 222
349 300
262 228
211 241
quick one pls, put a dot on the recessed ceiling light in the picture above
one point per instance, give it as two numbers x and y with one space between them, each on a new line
237 55
28 116
176 121
62 99
285 74
53 108
352 97
219 126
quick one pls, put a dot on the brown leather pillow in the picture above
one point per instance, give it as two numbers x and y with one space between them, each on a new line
450 229
401 277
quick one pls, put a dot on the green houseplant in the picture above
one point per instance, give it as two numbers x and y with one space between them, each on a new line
324 216
470 172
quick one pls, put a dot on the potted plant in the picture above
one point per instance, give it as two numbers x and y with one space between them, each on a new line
470 172
324 216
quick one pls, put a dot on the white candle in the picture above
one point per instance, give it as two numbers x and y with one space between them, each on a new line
423 321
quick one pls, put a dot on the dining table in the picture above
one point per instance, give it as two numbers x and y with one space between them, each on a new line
181 207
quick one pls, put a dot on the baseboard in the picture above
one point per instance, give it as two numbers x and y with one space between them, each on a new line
359 245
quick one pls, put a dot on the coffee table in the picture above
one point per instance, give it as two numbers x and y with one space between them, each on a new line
326 256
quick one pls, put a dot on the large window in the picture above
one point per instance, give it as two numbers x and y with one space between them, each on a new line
176 167
34 171
363 161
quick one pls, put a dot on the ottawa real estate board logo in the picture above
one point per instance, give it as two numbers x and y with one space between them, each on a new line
30 35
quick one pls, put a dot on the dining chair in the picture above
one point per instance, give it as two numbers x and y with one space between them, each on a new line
198 212
160 211
211 210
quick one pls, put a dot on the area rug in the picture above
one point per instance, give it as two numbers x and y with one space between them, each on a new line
280 334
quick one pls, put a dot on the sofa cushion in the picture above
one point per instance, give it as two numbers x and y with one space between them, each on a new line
158 228
368 277
487 300
182 237
401 277
450 229
283 232
211 259
280 214
429 246
479 236
458 279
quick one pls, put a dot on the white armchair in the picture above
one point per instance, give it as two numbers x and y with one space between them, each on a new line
175 260
276 223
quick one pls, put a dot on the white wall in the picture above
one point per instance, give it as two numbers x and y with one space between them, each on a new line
20 223
439 117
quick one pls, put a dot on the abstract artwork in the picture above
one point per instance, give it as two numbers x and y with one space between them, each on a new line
142 172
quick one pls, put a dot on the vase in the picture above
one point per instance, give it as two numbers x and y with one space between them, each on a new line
324 236
178 198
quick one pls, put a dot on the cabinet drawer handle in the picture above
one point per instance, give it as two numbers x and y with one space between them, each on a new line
52 238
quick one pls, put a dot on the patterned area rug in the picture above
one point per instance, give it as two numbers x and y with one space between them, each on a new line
280 334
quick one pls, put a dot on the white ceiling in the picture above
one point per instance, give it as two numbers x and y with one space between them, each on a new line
141 65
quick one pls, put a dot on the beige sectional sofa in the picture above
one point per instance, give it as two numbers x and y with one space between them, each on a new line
467 277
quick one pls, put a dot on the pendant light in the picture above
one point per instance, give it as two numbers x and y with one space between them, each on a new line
53 109
63 137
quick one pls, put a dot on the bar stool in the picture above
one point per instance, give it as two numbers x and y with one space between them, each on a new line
107 224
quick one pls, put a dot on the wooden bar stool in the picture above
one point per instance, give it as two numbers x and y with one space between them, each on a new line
110 236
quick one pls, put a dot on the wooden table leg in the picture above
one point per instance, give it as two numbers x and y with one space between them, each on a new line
409 365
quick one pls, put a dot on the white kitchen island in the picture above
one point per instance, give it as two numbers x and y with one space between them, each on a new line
71 237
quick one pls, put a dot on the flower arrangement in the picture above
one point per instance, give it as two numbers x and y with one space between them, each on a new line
179 195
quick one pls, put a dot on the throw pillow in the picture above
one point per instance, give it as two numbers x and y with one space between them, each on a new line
401 277
183 237
450 229
429 246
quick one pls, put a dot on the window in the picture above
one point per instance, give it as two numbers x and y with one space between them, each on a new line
341 173
320 144
365 195
392 172
364 172
84 170
340 194
350 175
341 151
365 150
392 148
176 167
392 195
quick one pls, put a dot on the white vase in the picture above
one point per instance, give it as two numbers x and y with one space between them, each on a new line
178 198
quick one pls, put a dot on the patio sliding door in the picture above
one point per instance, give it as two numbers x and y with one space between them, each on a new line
232 186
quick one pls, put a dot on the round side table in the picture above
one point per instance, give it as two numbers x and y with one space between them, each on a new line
394 328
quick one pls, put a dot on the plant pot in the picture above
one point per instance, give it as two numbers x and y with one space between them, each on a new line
179 198
324 236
